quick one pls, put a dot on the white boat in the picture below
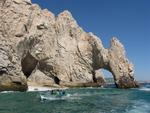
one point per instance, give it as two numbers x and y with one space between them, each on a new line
52 95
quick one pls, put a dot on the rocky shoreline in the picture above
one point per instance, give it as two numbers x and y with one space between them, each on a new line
37 47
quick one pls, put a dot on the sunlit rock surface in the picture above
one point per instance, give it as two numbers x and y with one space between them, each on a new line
39 48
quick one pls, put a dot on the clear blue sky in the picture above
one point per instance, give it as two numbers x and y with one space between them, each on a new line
129 20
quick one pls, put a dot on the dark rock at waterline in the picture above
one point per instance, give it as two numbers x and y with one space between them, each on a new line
11 83
127 82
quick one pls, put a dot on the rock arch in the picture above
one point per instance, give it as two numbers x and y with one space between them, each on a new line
68 52
114 60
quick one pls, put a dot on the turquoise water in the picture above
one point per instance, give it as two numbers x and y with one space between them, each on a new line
81 100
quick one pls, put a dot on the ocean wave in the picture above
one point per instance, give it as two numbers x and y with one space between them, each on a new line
139 107
81 95
144 89
66 97
7 91
38 88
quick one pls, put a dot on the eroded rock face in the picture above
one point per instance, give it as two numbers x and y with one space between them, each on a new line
11 76
55 51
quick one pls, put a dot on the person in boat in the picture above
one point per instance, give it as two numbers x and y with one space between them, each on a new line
61 92
58 92
52 91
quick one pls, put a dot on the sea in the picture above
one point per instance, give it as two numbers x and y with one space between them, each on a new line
78 100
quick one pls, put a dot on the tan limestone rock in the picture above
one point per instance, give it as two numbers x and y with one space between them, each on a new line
54 50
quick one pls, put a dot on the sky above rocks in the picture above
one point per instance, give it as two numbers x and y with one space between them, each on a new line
128 20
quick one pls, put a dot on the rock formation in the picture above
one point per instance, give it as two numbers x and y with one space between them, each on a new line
38 48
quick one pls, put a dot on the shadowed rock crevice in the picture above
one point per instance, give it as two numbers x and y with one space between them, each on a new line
28 64
57 81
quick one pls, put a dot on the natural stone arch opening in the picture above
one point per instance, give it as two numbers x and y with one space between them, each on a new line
28 64
109 78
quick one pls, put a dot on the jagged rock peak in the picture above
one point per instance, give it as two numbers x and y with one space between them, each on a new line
116 43
65 13
67 18
95 37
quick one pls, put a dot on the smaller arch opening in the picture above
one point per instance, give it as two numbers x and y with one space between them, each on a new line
56 79
28 64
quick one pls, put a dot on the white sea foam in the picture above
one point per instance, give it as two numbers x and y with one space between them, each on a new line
48 98
38 88
139 107
144 89
66 97
33 88
7 92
